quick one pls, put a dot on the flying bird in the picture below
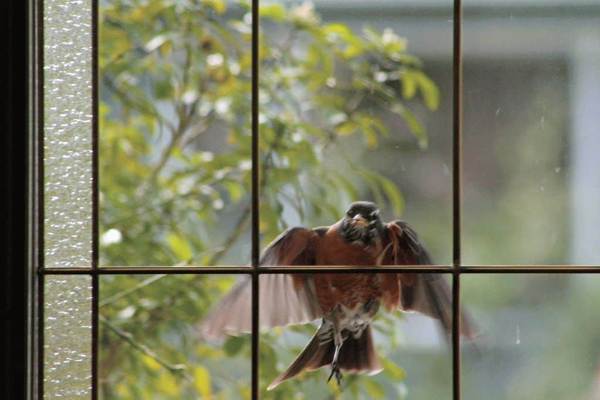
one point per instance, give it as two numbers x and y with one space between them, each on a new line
346 303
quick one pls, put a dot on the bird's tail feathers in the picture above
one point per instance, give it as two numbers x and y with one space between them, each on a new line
356 356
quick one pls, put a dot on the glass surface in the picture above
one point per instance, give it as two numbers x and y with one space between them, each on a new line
67 133
152 345
410 347
174 132
538 337
531 88
355 101
67 337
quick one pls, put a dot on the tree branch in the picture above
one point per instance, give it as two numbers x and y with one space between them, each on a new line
177 369
233 237
120 295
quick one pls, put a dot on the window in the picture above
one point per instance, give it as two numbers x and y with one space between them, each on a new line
91 186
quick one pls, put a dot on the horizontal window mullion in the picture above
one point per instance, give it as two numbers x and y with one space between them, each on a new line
470 269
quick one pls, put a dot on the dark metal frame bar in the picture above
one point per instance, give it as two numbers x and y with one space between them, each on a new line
16 283
37 239
342 269
255 203
95 205
457 86
254 270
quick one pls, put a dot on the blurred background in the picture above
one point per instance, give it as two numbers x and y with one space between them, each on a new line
355 104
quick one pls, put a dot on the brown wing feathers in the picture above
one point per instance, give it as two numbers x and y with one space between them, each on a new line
284 298
292 298
429 294
295 246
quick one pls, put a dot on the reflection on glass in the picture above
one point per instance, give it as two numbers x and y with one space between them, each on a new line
531 138
346 108
67 133
67 337
174 132
383 353
538 337
153 345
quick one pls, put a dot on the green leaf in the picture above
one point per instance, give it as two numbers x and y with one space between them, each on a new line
339 30
371 179
346 128
374 389
429 90
202 382
179 246
276 12
393 194
234 345
235 190
218 5
391 369
414 126
409 84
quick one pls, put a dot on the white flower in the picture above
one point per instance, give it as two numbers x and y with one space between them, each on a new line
111 236
245 165
215 60
218 204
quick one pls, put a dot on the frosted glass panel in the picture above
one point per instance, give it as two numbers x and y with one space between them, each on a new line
67 132
67 337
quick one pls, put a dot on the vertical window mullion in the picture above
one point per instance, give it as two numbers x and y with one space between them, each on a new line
95 205
255 204
457 84
38 206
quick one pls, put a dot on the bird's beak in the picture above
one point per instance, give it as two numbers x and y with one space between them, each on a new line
361 221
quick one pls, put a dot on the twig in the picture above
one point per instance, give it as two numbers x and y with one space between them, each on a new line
134 103
233 237
128 337
247 213
127 292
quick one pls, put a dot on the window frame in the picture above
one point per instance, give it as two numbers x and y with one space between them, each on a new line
16 278
28 184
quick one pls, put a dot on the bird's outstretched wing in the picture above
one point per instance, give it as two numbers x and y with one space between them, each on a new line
284 299
427 293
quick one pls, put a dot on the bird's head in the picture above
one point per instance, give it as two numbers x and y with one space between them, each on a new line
362 223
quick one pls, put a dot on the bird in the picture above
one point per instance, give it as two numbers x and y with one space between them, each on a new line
346 303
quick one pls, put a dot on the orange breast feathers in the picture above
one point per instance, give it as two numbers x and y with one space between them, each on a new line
332 249
351 290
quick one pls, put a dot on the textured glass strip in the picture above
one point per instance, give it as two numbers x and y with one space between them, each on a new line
67 337
67 132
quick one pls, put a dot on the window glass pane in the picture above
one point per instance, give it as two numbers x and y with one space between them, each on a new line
531 133
67 337
355 104
411 348
152 344
538 337
175 132
67 133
